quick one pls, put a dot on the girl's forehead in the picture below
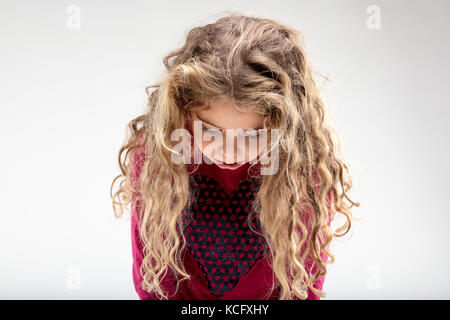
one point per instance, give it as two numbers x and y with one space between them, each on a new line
226 118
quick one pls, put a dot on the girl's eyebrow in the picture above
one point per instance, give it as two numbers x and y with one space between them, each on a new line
220 127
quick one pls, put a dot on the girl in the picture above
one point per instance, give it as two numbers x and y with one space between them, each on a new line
222 227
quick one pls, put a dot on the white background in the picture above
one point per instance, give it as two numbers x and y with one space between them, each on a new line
67 95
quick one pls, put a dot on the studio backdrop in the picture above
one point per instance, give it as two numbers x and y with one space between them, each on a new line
74 73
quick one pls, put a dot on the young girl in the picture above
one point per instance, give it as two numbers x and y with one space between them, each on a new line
223 227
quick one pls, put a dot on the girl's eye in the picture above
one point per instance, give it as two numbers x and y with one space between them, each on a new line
211 130
251 136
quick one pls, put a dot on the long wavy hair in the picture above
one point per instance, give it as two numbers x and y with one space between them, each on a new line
261 65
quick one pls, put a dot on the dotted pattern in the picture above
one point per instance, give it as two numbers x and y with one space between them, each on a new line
217 232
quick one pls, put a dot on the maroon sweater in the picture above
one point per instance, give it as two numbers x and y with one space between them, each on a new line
225 258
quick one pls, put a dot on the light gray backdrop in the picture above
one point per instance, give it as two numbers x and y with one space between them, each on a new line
72 74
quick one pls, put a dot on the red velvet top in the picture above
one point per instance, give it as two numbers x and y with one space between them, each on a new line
225 258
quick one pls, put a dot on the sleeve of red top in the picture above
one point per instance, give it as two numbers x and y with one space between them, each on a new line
168 282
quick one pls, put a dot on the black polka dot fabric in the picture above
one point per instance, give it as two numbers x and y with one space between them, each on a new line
217 232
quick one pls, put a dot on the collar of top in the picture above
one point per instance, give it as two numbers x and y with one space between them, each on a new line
227 178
